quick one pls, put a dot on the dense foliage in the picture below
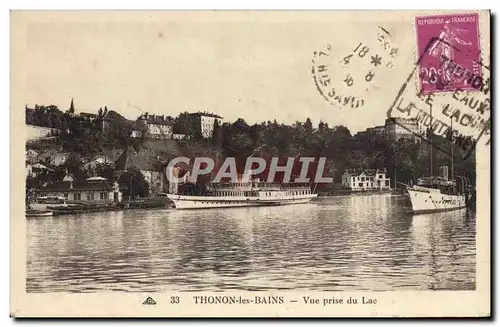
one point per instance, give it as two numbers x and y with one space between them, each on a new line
404 159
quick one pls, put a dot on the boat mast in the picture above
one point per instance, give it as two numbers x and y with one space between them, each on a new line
395 178
452 148
430 142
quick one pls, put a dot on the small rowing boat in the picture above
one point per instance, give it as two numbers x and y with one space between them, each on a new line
38 213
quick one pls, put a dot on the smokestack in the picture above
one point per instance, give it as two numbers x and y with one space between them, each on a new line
443 172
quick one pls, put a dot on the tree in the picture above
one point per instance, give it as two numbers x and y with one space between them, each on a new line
217 134
105 170
189 125
136 184
142 134
119 132
73 165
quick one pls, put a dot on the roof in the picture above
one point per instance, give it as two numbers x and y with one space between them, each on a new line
77 186
40 166
96 178
52 153
88 115
113 115
99 158
110 153
395 120
69 178
367 172
207 114
131 159
156 119
151 156
375 128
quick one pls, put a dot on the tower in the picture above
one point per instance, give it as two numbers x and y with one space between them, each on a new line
71 107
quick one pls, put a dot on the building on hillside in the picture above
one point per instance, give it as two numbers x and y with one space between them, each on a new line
69 177
94 190
206 122
53 157
31 156
397 128
36 133
158 126
33 170
394 129
366 179
88 116
150 160
110 116
177 136
150 168
377 130
98 161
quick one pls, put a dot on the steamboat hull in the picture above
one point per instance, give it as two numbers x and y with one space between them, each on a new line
427 200
205 202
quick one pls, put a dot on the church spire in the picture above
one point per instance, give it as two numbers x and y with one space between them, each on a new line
71 107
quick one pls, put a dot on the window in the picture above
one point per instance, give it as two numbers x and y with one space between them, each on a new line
103 195
360 184
90 196
77 196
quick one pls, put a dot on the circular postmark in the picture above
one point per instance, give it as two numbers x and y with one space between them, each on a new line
346 77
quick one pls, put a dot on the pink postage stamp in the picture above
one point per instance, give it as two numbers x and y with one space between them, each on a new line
453 58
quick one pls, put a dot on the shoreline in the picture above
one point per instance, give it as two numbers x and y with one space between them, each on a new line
167 204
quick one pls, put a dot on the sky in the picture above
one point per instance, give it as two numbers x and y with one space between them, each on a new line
254 67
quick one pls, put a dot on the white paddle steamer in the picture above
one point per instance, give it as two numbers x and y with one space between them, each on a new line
245 195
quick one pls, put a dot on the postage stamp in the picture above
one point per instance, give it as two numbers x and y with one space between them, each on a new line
458 37
453 94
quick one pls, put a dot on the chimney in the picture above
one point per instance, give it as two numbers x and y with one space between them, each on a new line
443 172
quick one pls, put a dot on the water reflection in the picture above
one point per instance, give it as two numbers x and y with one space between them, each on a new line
340 243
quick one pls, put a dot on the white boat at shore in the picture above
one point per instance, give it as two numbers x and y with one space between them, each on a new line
245 195
438 193
435 194
46 203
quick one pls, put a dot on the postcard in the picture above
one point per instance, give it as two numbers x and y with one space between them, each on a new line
250 164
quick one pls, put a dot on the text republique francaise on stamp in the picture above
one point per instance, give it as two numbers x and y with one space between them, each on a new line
453 84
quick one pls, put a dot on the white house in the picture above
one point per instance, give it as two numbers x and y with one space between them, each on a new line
159 127
94 189
366 179
206 122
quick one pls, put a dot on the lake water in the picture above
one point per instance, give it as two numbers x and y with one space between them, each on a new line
349 243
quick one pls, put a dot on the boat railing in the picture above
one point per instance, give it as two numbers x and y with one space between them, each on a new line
262 186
